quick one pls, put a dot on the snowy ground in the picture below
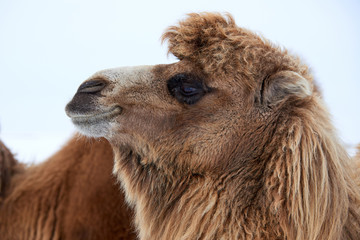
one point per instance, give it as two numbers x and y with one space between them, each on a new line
34 148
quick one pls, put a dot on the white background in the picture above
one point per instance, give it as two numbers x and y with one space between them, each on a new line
48 47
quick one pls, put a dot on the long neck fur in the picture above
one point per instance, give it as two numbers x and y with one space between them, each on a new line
300 187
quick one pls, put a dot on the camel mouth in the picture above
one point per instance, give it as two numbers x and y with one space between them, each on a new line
94 117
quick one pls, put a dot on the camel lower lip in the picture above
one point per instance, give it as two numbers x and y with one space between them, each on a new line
96 117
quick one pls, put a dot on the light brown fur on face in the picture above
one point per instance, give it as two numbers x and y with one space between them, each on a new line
231 142
72 196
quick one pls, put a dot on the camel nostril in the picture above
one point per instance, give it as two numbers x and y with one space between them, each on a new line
92 86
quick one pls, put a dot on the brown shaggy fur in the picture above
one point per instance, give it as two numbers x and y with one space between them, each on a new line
70 196
256 157
8 167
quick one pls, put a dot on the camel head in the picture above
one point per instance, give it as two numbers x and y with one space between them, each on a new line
208 109
234 111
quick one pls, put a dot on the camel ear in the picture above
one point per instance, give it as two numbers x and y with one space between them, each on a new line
279 87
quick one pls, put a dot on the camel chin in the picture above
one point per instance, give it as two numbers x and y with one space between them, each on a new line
93 123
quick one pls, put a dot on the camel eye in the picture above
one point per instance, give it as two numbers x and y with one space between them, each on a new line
186 88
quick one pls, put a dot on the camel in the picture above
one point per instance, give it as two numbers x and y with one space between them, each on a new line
72 195
232 141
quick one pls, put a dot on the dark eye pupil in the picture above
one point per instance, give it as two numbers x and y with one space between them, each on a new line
188 90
